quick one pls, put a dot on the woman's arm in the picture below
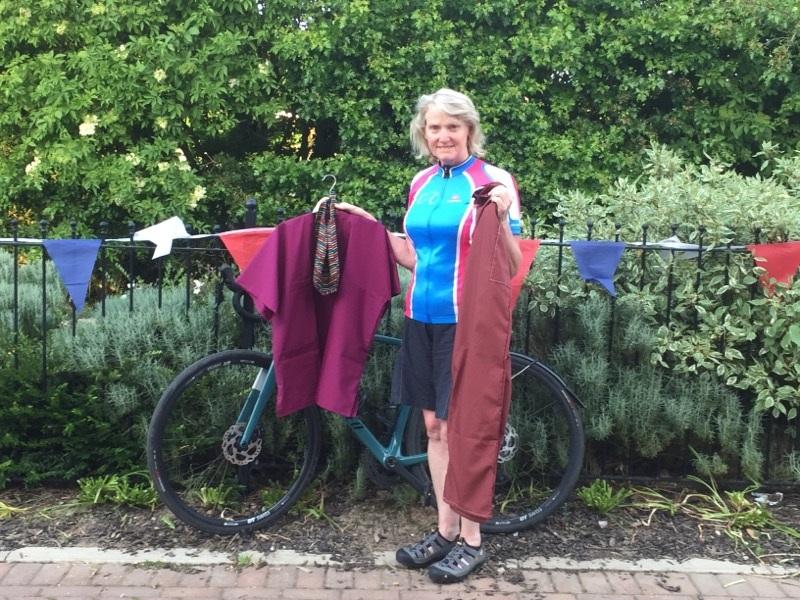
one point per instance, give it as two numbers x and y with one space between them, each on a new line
403 251
512 246
401 247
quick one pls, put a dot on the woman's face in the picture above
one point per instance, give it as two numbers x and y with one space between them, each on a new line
447 137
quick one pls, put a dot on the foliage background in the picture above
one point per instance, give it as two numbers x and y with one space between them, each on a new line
112 110
142 110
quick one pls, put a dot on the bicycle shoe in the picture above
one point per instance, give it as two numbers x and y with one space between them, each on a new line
462 560
433 547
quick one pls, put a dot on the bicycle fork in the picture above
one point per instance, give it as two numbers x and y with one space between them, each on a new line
256 402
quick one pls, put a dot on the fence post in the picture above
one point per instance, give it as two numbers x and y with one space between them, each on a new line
73 226
645 227
131 263
103 266
218 289
15 233
43 231
697 279
188 261
670 279
559 271
247 335
613 312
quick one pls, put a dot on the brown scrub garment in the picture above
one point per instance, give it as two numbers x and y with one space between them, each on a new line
481 370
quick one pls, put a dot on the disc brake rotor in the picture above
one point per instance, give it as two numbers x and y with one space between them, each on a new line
510 444
230 446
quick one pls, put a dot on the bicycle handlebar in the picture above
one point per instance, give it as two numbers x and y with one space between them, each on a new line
242 303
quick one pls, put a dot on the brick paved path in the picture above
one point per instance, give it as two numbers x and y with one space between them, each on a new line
19 581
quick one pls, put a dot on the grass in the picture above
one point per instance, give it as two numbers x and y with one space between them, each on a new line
601 497
7 511
118 489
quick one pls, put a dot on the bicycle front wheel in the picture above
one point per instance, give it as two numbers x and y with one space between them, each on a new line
199 467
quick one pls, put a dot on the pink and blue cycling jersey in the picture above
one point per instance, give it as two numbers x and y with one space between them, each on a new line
439 222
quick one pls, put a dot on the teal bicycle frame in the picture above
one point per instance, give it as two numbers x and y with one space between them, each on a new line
390 456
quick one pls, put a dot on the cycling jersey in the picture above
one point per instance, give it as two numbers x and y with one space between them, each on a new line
439 223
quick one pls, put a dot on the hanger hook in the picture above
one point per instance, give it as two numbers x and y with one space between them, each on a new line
332 176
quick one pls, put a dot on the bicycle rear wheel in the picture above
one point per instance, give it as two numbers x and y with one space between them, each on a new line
198 468
541 456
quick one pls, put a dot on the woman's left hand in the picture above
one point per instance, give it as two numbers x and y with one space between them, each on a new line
502 198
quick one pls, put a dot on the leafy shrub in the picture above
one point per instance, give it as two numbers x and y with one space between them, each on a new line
91 414
686 354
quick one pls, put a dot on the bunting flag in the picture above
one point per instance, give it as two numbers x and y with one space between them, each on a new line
597 261
673 247
162 234
529 248
74 261
244 243
780 261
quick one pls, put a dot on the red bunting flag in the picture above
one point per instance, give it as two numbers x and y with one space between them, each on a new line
780 261
244 243
529 249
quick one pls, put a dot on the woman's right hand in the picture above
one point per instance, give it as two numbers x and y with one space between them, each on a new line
354 210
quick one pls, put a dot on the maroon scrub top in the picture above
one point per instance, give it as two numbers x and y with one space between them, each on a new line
320 343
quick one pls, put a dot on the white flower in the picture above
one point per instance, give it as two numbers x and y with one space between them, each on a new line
233 82
133 158
263 68
179 153
159 75
163 166
138 183
198 194
98 9
89 125
61 28
25 13
161 123
122 50
31 167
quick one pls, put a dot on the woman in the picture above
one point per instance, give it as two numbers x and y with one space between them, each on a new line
438 226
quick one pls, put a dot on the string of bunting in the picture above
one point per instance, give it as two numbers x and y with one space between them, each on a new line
597 261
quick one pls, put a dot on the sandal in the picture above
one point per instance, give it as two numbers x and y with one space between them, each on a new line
462 560
432 548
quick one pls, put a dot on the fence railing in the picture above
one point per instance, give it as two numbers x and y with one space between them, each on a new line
191 256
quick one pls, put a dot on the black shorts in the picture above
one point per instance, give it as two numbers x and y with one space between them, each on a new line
425 365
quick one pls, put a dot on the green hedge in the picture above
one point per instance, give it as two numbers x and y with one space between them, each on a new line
143 110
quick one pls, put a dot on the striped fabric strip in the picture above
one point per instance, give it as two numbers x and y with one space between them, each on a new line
326 254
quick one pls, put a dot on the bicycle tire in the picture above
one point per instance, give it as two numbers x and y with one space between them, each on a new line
195 468
542 468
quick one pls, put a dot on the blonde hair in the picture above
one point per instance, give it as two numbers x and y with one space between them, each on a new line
454 104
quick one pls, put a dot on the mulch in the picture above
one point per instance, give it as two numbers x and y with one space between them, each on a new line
353 530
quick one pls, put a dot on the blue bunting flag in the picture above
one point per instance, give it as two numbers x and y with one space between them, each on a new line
74 261
597 261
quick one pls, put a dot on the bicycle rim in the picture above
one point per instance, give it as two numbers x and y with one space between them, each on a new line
542 452
198 468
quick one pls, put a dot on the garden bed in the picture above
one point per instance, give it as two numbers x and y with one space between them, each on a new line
352 531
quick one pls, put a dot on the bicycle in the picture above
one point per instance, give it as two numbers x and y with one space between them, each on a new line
223 463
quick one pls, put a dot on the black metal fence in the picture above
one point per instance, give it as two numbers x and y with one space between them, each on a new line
193 256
